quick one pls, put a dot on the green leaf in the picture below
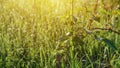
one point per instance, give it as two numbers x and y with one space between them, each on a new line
110 43
98 38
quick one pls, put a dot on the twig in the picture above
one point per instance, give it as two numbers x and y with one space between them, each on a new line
109 29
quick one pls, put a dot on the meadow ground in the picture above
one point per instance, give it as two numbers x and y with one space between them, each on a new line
59 33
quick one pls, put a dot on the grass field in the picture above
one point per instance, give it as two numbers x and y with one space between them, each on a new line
59 33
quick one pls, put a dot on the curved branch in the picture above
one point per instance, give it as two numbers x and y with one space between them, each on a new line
109 29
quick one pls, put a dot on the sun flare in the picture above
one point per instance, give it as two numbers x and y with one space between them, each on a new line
59 33
59 7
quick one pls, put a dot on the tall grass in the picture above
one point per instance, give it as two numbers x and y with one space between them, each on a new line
58 34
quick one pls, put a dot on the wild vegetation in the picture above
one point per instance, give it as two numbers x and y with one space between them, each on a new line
59 33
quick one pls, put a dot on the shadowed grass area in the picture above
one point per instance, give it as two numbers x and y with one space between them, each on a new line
59 34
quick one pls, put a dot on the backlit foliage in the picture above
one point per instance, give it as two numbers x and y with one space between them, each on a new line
59 33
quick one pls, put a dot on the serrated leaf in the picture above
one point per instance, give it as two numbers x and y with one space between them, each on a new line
110 43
